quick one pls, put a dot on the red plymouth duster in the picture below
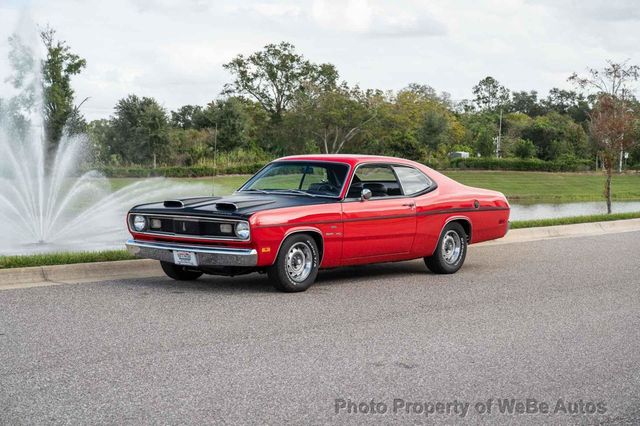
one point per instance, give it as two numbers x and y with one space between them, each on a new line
302 213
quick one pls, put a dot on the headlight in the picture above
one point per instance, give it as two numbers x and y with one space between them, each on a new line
139 223
242 230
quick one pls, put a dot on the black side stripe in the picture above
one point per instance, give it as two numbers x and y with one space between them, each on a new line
461 210
427 213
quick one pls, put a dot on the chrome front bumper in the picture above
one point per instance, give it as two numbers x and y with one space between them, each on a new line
207 256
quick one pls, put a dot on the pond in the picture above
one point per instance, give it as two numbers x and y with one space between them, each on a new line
550 211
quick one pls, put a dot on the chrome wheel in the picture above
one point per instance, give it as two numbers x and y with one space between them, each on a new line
299 262
451 247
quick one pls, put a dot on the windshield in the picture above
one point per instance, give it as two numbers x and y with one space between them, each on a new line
300 178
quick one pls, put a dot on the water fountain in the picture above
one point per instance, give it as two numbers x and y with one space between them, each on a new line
56 207
47 203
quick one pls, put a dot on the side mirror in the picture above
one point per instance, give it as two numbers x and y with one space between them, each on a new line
365 194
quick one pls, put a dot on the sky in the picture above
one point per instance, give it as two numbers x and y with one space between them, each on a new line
174 50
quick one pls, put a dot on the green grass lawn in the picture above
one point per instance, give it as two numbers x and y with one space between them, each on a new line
62 258
530 187
519 187
536 223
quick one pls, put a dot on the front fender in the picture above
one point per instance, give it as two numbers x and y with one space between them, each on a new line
271 228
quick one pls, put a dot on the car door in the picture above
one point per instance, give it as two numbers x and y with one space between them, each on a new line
383 225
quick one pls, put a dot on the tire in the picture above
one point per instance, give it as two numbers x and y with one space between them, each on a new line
297 264
450 252
180 273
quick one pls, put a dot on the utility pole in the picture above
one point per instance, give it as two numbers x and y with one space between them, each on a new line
620 161
499 138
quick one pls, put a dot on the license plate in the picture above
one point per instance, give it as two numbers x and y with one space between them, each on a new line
186 258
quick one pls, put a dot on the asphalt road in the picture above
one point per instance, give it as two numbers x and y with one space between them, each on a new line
547 320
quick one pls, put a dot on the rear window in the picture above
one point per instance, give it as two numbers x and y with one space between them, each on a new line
413 181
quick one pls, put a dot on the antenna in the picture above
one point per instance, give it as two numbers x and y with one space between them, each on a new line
215 161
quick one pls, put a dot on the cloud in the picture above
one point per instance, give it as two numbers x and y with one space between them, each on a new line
597 10
173 50
408 26
380 18
276 9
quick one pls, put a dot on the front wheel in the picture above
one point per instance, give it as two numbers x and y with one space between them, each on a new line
450 252
296 266
179 273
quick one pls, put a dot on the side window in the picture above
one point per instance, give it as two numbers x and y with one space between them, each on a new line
413 181
375 174
379 179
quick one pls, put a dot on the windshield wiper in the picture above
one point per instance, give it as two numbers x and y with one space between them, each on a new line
295 191
261 191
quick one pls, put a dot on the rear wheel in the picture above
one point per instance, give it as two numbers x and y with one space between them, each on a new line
296 266
180 273
450 252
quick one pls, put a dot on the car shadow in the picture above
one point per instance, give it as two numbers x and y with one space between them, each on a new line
257 283
348 274
247 284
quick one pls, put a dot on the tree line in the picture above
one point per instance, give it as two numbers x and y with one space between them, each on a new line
281 103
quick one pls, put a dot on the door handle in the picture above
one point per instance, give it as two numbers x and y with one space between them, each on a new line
410 205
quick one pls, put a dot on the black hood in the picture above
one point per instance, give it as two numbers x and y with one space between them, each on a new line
236 205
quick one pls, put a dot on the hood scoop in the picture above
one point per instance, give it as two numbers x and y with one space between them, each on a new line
226 207
174 204
238 203
188 202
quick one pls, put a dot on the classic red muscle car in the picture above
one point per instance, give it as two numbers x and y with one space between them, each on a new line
302 213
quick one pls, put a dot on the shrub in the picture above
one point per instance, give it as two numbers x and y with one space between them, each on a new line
524 148
530 165
179 172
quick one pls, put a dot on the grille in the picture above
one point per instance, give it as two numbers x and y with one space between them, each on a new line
190 226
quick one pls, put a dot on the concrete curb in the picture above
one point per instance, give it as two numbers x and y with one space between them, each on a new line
78 273
126 269
566 231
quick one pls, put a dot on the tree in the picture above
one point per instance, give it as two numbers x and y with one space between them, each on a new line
412 123
612 121
58 67
480 131
523 148
612 128
336 115
613 80
231 120
275 75
185 116
490 95
555 135
17 110
139 130
526 103
99 134
433 130
567 102
485 144
189 146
